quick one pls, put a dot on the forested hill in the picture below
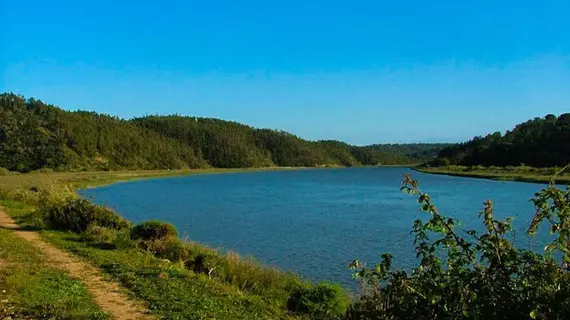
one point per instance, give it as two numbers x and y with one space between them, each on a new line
541 142
35 135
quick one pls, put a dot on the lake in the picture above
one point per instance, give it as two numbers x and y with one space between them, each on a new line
313 221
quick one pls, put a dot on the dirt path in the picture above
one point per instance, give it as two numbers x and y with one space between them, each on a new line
108 295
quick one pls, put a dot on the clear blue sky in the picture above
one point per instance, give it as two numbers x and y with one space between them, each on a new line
358 71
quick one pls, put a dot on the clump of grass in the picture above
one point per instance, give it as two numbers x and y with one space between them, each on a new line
250 275
153 231
322 301
173 250
104 237
123 240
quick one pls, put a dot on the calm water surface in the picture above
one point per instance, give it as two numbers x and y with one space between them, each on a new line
313 222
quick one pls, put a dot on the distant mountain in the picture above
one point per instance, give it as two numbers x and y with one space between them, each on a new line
541 142
36 135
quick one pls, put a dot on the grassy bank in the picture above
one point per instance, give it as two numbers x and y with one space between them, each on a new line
520 173
178 279
76 180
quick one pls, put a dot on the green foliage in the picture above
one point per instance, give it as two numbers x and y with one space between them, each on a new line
471 274
205 262
39 137
35 135
153 230
322 301
412 152
100 235
123 240
78 215
250 275
174 250
541 142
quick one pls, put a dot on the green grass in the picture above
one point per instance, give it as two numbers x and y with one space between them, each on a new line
172 291
28 287
521 173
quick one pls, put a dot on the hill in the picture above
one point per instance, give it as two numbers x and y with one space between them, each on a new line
35 135
541 142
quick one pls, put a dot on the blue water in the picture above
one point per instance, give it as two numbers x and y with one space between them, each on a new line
313 222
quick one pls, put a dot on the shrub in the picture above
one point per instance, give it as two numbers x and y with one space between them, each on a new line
4 171
100 235
78 214
321 301
206 262
153 230
34 220
123 240
480 274
173 249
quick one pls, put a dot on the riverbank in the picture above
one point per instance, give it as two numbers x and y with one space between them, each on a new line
81 180
521 173
174 278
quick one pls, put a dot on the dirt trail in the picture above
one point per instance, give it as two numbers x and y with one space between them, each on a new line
108 295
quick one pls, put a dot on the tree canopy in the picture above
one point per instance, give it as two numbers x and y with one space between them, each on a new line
540 142
36 135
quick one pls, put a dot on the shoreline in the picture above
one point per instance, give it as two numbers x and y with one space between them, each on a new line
128 175
250 287
157 174
497 176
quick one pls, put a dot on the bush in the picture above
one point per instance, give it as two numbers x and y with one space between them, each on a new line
100 235
123 240
34 220
4 171
321 301
174 250
153 230
78 214
474 274
206 262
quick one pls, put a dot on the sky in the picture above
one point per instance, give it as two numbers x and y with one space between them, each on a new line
359 71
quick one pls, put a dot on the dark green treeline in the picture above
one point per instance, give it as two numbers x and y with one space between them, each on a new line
35 135
541 142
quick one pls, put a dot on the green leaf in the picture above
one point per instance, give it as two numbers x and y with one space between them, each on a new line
533 314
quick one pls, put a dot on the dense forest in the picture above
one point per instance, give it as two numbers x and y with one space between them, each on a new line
35 135
541 142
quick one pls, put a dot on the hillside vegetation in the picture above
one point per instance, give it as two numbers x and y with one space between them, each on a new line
35 135
541 142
